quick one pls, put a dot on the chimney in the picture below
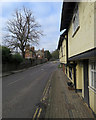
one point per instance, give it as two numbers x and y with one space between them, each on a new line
43 50
32 48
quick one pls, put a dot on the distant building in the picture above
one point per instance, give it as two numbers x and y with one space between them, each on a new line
40 54
30 52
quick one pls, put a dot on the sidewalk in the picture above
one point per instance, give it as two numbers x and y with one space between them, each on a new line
11 72
65 103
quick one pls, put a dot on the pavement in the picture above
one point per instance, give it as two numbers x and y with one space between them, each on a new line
65 103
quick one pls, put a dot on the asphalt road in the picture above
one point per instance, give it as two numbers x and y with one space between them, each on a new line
23 90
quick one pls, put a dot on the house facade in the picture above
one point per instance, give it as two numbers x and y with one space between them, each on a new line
40 54
77 48
63 49
30 53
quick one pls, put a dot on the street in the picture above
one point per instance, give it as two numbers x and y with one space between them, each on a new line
48 60
22 91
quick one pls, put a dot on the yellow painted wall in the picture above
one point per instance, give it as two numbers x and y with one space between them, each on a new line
79 75
63 59
68 72
92 100
83 40
95 24
60 55
72 75
64 51
72 80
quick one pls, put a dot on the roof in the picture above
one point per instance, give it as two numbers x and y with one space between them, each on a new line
85 55
62 36
67 13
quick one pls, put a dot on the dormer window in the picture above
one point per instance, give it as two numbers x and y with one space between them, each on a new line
75 20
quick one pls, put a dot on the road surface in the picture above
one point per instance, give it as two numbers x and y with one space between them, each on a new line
23 90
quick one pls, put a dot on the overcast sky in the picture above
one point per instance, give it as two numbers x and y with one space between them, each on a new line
48 14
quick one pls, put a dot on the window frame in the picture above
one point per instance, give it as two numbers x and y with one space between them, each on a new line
92 80
75 20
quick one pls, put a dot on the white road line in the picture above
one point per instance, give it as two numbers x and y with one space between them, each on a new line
15 81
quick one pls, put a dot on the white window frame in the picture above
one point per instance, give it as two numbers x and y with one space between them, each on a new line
75 20
92 82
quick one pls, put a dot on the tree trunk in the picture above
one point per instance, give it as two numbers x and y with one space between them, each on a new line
23 54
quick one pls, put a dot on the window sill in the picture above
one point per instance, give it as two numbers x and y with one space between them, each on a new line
75 31
93 89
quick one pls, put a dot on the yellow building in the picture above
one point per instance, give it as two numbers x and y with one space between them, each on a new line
63 49
78 19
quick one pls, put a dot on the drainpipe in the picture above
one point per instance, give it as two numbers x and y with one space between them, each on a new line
67 47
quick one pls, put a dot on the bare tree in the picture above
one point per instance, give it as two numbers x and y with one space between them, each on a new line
22 30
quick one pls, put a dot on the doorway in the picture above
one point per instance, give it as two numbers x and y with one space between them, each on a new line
86 82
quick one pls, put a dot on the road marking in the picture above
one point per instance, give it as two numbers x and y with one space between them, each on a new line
35 113
39 113
44 91
43 98
15 81
46 87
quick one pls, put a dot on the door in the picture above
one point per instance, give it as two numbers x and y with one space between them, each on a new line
75 77
86 82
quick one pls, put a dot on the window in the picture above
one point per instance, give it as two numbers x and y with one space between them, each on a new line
93 75
75 19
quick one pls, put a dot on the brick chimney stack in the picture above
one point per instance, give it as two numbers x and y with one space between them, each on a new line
43 50
32 48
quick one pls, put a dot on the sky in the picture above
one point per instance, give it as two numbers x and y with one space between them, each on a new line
47 14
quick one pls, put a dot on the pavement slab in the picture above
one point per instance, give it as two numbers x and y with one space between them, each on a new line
65 103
